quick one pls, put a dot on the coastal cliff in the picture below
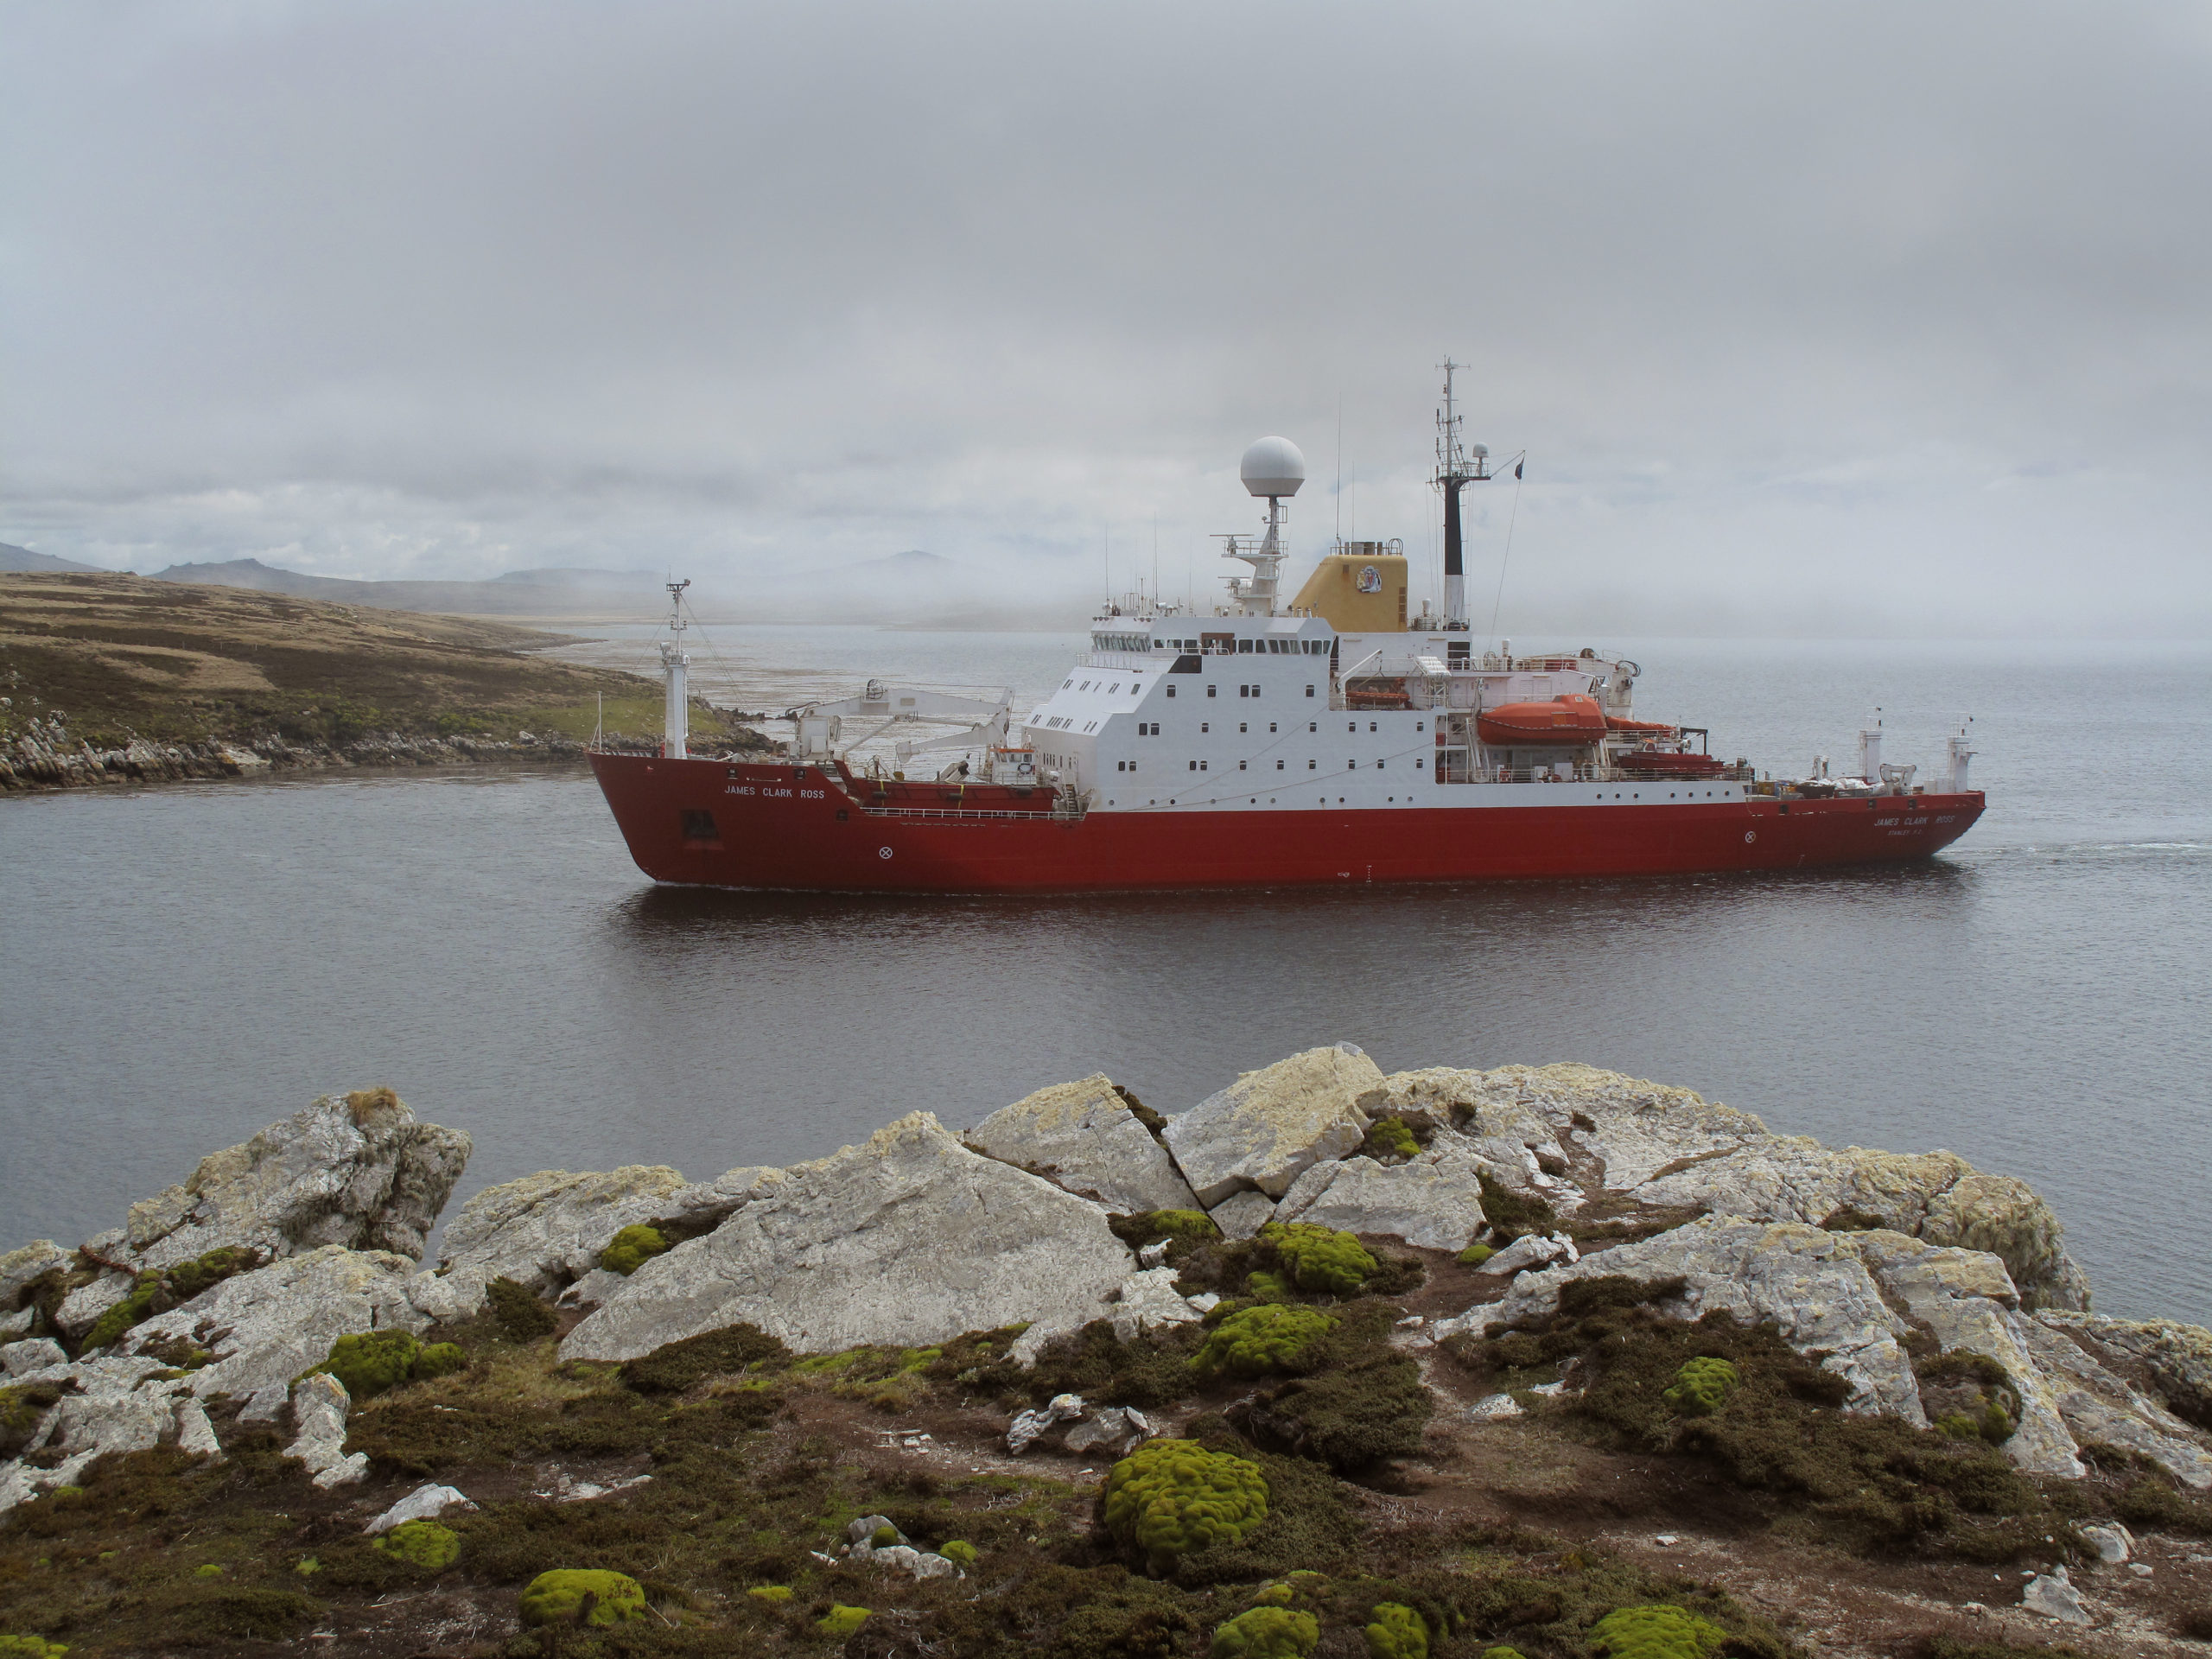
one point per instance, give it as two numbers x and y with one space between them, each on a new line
1534 1360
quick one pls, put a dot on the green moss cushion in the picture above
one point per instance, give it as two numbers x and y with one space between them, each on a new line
1319 1258
369 1362
1397 1633
1267 1633
553 1598
421 1543
632 1248
1272 1337
1702 1386
1660 1631
841 1620
1170 1497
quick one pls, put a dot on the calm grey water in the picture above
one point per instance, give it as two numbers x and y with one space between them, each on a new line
179 966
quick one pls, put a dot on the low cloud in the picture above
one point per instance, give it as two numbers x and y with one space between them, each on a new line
1884 321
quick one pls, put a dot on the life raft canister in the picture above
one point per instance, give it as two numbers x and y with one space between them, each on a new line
1571 721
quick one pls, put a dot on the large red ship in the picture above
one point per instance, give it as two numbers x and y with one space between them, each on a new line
1333 739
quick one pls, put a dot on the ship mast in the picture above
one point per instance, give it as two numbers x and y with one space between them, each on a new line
675 711
1456 467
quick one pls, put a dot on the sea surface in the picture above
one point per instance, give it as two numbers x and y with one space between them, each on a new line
181 966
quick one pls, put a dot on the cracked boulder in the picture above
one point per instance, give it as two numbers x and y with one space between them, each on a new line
1809 1283
1271 1126
1084 1136
2175 1359
905 1240
1519 1118
266 1326
356 1170
1434 1200
545 1231
1937 1197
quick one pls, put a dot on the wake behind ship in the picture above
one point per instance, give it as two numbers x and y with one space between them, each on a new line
1333 739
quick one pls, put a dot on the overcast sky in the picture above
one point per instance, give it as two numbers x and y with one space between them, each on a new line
1824 319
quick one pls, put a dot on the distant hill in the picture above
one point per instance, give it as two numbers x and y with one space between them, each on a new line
564 592
181 662
13 558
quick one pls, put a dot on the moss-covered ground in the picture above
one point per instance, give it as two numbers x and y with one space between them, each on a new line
1378 1495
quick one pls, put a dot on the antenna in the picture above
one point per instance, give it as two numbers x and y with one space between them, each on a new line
1457 466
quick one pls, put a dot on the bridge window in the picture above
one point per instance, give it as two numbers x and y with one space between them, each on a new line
1245 646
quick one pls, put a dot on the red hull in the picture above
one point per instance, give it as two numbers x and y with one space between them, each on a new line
786 827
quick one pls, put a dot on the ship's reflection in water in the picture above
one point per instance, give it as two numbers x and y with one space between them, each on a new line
1778 993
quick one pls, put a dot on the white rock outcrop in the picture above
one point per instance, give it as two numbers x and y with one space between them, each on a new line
358 1169
1530 1250
1633 1128
2175 1359
35 1353
1436 1200
265 1326
908 1238
425 1503
1149 1301
1808 1282
1240 1215
319 1408
1935 1196
1083 1137
1271 1126
545 1231
19 1267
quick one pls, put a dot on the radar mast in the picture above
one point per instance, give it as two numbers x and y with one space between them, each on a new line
1456 467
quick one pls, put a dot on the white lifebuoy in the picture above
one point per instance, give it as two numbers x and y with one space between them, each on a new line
883 852
1749 835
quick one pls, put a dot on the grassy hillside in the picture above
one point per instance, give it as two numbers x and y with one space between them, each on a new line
122 656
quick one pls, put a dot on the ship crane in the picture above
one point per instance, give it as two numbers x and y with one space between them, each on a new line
819 728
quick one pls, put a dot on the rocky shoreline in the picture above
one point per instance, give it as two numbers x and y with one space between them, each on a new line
43 758
1530 1361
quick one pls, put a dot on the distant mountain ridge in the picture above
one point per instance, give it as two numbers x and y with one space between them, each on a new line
14 558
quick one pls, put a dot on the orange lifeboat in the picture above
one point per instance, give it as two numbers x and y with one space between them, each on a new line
1641 727
1572 722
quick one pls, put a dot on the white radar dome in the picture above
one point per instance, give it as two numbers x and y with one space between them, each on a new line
1273 467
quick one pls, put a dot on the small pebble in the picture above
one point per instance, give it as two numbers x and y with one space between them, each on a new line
1667 1538
2140 1569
